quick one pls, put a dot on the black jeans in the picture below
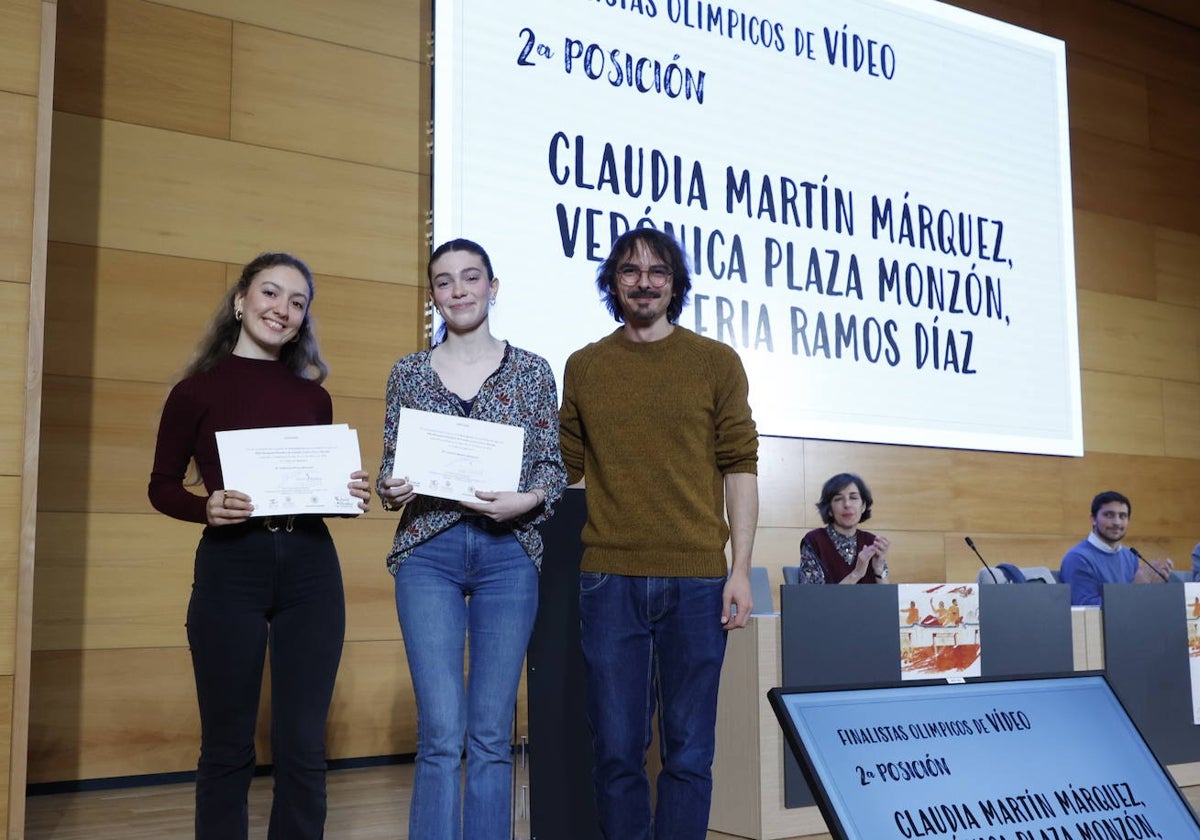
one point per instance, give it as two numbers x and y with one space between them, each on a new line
256 587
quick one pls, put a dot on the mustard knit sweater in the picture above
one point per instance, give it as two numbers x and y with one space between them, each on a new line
655 427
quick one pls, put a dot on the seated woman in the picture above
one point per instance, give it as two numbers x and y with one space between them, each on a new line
841 552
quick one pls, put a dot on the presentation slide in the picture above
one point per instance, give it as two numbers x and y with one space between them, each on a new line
873 197
1040 759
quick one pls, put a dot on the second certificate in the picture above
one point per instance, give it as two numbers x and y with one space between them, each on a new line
451 457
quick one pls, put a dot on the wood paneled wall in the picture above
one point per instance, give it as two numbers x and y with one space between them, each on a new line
188 137
191 134
26 83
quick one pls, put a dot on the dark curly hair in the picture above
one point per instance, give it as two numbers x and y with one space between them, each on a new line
1106 497
662 247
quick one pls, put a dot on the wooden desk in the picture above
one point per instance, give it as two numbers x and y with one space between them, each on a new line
748 768
1087 638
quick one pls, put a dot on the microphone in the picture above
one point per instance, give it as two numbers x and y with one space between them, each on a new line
991 571
1139 556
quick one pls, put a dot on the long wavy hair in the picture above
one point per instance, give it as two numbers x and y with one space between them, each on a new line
301 355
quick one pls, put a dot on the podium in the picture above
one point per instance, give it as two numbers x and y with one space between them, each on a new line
1146 660
845 635
560 743
848 635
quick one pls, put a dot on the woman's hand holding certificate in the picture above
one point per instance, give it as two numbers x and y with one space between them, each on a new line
290 470
453 457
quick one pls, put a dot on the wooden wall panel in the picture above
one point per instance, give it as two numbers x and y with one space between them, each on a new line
1135 183
1114 255
1122 335
362 546
782 503
18 137
1182 11
361 325
124 581
917 556
98 441
997 491
391 27
1177 261
141 62
1181 421
125 315
10 541
112 581
365 416
14 332
20 34
1123 414
373 711
1115 32
143 189
103 713
775 548
1025 13
98 444
1107 100
909 483
1175 118
310 96
1016 548
8 715
1162 490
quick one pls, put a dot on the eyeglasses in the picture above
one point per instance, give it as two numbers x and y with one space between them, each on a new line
659 275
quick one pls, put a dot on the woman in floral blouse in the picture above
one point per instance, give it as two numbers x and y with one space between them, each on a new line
466 571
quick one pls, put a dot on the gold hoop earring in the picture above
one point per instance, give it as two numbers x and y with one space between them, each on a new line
237 314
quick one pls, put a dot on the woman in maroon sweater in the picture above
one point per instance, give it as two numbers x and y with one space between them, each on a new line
258 582
841 552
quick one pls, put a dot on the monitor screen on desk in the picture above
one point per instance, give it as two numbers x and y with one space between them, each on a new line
1024 759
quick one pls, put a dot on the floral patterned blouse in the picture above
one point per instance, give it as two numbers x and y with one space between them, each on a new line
520 392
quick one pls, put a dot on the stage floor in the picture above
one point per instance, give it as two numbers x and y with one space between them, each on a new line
364 804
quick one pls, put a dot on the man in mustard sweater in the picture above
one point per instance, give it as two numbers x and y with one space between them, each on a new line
657 420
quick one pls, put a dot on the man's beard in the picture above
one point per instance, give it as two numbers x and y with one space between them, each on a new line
639 313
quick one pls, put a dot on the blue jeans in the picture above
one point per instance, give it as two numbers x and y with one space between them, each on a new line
466 584
649 641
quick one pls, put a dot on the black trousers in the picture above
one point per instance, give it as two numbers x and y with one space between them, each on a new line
255 589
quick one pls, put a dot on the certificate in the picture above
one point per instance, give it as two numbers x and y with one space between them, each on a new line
290 470
451 457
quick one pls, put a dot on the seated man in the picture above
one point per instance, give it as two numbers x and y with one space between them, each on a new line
1101 558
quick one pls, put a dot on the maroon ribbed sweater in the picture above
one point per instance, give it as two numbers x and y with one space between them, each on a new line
238 393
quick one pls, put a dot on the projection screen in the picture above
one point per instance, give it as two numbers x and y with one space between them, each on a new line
873 196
